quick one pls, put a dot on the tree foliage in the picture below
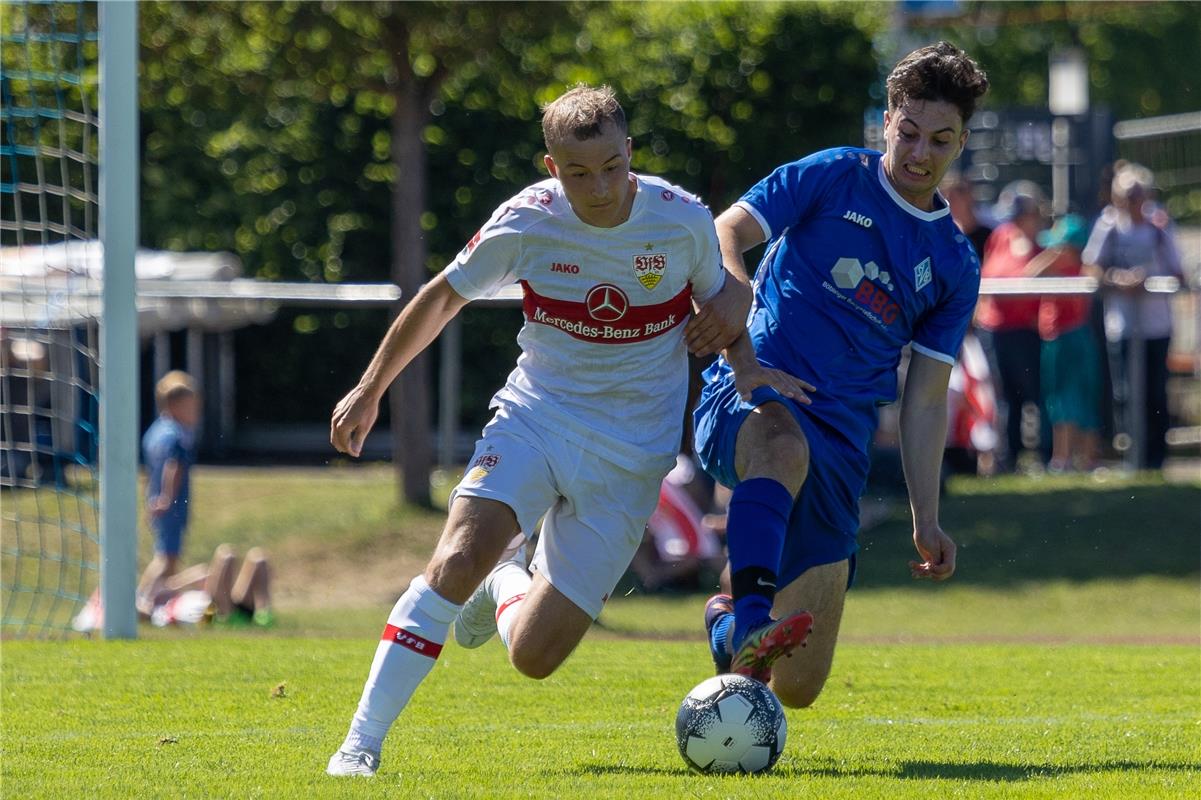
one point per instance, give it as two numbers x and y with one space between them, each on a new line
1138 52
269 127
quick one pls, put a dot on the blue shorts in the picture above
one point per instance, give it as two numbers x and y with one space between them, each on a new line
825 518
168 534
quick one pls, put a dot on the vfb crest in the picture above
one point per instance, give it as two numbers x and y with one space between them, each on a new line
649 269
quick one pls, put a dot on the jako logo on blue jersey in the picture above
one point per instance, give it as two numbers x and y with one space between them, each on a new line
858 219
848 273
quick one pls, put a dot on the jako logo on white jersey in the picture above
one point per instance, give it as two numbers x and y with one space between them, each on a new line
858 219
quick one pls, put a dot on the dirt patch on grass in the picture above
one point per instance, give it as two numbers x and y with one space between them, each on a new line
310 575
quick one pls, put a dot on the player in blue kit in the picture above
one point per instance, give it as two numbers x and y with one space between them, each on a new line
862 259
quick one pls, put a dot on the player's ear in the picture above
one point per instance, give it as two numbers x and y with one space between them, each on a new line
963 141
549 161
629 147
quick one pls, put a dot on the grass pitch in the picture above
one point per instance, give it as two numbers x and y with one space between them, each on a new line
1063 660
244 717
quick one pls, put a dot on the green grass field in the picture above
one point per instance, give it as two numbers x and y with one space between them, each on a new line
197 717
1063 660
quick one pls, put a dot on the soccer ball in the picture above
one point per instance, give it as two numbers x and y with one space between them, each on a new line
730 723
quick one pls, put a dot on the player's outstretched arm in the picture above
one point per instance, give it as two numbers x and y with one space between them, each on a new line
718 323
923 431
418 324
749 374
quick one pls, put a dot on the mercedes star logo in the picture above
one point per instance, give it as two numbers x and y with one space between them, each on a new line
606 303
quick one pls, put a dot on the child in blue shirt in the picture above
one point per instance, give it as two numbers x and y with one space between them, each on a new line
169 452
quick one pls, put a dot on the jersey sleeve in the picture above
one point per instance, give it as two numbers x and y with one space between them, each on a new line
708 274
940 333
487 263
787 195
166 446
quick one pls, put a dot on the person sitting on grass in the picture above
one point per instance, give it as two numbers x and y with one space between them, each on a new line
201 594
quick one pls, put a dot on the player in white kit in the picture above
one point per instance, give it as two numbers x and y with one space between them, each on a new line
611 266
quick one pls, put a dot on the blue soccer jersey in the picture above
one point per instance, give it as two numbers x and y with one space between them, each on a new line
851 275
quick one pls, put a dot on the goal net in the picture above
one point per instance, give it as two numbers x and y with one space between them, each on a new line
50 313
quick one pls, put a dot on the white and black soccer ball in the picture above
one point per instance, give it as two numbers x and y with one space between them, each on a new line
730 723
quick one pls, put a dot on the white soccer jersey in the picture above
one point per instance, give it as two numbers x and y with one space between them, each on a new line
603 360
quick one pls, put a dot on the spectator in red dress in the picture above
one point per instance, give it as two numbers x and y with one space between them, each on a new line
1008 324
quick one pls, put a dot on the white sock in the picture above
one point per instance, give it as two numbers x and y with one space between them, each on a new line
406 653
509 584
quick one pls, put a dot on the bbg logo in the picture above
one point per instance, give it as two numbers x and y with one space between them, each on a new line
849 274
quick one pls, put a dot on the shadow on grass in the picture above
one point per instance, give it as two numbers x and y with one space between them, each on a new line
987 770
1082 533
915 770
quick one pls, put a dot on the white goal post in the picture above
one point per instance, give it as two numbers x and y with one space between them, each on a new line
118 320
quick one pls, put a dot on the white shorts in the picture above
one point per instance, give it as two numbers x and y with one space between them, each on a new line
593 512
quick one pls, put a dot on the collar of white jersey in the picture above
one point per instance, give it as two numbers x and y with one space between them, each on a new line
927 216
635 208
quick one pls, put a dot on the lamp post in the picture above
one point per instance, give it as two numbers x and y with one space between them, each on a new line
1067 96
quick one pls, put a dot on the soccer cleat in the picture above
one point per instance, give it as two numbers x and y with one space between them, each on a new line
769 643
477 618
354 763
718 606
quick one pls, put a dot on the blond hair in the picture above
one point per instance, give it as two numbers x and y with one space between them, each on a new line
581 113
1128 175
174 385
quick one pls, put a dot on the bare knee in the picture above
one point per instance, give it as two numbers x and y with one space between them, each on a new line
454 574
798 694
788 458
532 662
771 445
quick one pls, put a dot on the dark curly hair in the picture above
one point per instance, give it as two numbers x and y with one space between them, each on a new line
938 72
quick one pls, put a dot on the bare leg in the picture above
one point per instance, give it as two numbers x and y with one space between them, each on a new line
194 577
1061 445
1088 445
771 445
799 678
476 533
252 589
154 578
220 579
548 630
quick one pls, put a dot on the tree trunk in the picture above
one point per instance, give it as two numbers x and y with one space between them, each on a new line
409 397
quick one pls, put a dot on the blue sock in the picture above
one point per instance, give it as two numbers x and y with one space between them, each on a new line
756 525
719 638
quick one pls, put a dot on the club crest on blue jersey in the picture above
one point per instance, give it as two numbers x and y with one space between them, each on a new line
922 275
